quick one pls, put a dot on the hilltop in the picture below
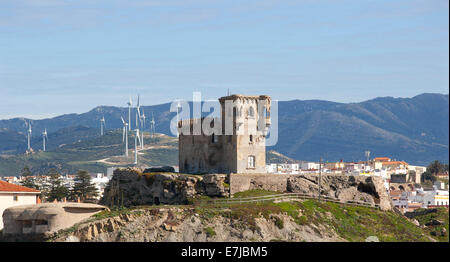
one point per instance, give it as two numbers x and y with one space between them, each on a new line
297 221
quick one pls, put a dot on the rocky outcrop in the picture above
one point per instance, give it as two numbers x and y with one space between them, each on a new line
178 225
369 190
132 187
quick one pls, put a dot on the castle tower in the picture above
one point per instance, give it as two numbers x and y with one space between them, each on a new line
237 144
248 117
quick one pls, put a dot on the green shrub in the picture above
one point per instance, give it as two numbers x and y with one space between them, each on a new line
279 222
210 231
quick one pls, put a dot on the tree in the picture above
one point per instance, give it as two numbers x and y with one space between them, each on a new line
433 169
26 172
28 181
56 189
436 167
84 188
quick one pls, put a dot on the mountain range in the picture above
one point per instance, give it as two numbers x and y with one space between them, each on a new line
412 129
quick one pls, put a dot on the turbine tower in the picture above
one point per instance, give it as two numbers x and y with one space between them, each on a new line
29 135
143 128
138 113
152 126
44 139
136 139
129 103
125 135
102 125
138 119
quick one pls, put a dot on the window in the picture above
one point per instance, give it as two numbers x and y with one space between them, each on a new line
251 138
251 161
251 112
214 138
15 198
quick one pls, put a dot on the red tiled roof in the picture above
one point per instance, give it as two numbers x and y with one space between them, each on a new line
8 187
394 163
381 159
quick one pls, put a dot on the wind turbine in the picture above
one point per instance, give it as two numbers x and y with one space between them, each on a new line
29 135
136 139
129 103
125 135
138 113
138 118
44 139
143 128
152 126
102 125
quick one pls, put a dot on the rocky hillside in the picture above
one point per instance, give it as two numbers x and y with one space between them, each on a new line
287 221
434 221
134 187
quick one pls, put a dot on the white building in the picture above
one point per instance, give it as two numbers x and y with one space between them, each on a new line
304 165
283 168
436 197
271 168
15 195
100 181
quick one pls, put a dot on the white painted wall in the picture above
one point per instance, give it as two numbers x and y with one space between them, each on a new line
7 200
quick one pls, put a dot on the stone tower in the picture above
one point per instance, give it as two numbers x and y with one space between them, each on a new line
237 144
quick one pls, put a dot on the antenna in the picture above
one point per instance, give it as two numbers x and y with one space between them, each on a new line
367 154
125 135
44 139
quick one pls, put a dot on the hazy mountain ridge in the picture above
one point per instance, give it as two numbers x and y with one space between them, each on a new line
413 129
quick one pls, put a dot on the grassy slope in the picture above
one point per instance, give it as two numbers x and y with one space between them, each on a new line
349 222
441 215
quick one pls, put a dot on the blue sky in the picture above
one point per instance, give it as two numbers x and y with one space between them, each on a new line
61 56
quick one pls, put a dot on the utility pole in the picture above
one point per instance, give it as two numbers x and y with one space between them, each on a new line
320 175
